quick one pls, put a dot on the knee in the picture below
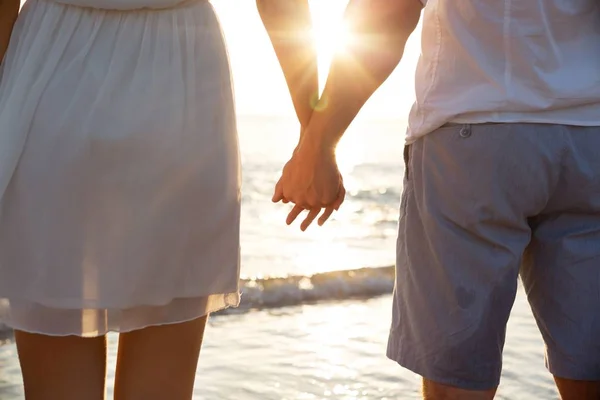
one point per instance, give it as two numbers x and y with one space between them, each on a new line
570 389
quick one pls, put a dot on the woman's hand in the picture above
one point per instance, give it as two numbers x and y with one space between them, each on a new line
312 181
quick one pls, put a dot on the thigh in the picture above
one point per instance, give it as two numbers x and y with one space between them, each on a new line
562 269
62 367
159 362
463 230
561 274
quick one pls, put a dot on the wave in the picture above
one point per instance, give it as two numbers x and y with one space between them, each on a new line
326 286
295 290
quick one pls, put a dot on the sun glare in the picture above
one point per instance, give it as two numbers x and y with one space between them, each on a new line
330 33
331 37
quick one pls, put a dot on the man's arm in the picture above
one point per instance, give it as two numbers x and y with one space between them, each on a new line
9 9
380 30
289 24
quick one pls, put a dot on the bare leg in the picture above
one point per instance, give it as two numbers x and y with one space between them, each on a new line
577 390
437 391
62 368
159 362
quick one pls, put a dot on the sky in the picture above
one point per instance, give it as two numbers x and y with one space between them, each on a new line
259 83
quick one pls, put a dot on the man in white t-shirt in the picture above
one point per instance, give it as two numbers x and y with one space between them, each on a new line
502 178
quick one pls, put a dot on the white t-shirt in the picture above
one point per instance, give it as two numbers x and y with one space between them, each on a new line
507 61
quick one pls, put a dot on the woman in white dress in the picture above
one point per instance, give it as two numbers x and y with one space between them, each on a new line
120 185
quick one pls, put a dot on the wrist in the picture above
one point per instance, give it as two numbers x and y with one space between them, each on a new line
317 144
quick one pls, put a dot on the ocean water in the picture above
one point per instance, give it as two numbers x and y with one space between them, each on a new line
359 235
316 305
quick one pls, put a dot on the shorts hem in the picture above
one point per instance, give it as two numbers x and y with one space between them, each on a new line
573 373
409 362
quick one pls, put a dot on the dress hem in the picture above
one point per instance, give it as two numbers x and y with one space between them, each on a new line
188 309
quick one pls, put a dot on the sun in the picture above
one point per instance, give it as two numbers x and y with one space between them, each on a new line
330 33
332 36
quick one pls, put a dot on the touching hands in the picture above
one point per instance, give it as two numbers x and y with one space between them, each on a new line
311 181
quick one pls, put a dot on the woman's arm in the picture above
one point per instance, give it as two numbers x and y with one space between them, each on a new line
289 24
9 9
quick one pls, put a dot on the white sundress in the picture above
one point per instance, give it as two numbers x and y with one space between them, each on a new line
119 167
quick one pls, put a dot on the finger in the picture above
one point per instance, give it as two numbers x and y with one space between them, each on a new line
293 214
325 216
284 200
301 202
340 198
278 194
312 214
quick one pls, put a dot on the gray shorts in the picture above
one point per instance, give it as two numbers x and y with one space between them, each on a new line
481 205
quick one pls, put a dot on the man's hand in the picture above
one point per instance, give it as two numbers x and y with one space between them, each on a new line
312 181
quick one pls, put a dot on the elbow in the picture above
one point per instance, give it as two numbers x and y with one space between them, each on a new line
273 13
398 18
281 7
409 15
265 8
261 6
